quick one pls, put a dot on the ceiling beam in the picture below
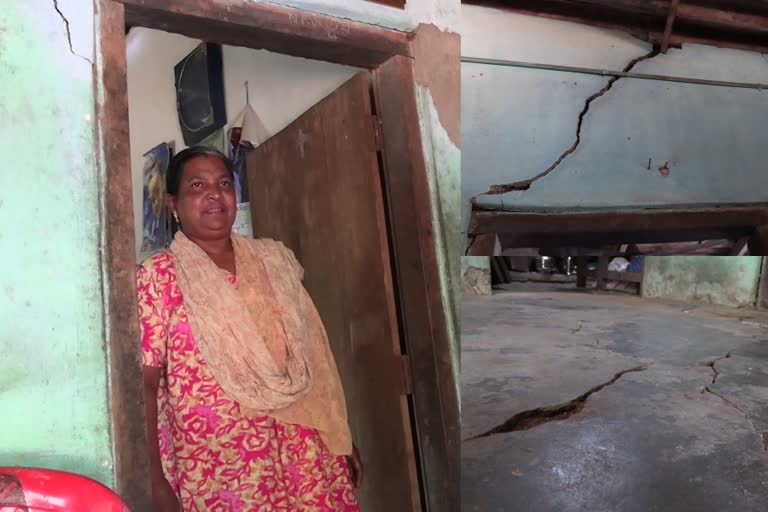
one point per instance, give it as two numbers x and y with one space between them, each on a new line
668 27
727 25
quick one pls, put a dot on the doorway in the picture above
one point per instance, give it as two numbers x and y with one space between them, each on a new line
400 415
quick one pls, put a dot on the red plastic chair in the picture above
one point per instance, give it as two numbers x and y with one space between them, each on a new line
38 490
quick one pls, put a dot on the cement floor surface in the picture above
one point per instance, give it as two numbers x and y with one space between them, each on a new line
683 430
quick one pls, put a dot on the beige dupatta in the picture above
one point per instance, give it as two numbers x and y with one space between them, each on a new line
263 340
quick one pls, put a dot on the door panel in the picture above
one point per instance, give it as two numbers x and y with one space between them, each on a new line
316 186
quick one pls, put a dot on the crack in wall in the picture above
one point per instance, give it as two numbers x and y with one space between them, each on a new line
534 417
69 33
711 364
762 435
526 184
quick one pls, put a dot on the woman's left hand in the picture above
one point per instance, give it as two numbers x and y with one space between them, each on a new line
355 466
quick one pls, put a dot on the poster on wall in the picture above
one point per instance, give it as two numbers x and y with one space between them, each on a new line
156 232
199 82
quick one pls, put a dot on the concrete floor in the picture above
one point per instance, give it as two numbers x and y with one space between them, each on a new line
662 437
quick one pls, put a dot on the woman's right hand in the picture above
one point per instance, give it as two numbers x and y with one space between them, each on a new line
163 497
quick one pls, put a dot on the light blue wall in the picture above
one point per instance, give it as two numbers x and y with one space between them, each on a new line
516 122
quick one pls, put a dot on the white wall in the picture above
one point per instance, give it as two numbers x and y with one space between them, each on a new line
281 89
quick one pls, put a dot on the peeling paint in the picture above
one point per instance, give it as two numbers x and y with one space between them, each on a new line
476 275
444 172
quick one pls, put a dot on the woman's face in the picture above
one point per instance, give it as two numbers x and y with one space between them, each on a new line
205 202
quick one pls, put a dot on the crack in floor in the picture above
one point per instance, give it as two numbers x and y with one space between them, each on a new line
762 435
69 33
711 364
534 417
526 184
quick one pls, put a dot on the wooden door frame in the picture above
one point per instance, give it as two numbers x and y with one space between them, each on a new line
388 54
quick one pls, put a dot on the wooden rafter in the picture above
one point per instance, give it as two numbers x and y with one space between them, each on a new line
724 23
670 23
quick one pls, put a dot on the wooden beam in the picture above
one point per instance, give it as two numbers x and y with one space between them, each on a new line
261 25
648 220
754 45
668 27
726 26
723 18
126 395
591 239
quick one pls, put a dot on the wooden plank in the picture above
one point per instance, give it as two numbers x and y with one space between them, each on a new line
126 403
424 314
317 188
618 221
261 25
731 25
551 241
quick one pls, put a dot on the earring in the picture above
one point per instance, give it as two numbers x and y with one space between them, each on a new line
176 216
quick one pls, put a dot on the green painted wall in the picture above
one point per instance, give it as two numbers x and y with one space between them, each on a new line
444 167
53 375
727 280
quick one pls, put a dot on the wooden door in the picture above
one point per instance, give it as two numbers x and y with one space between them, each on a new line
316 186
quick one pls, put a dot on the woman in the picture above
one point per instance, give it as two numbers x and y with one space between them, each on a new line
245 409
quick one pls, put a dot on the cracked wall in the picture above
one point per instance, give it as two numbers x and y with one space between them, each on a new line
53 373
727 280
517 122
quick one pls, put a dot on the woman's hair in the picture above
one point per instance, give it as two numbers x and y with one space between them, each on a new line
176 167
